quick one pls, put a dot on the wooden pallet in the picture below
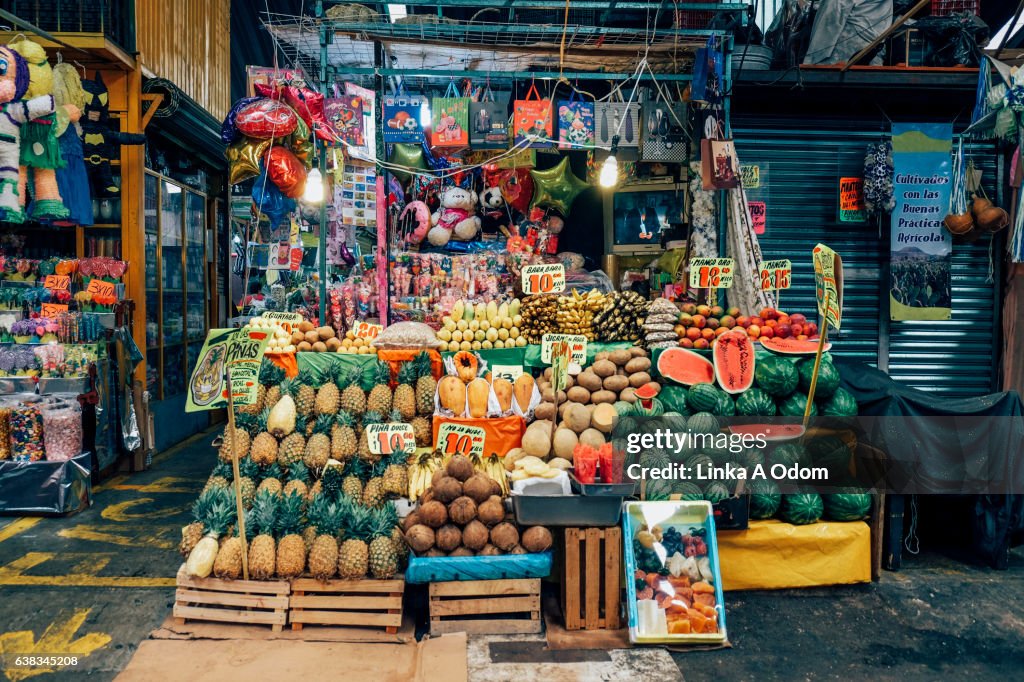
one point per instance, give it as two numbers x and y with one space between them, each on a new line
592 578
247 602
357 603
485 607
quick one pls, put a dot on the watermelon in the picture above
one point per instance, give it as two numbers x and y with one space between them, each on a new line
726 406
794 406
734 361
776 375
716 491
655 459
755 402
625 425
764 499
801 509
702 397
841 404
703 422
698 459
673 398
658 489
770 432
750 458
789 454
623 408
791 346
655 410
828 378
830 452
687 491
685 367
847 506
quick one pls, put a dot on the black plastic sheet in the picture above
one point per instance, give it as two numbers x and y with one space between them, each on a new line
45 488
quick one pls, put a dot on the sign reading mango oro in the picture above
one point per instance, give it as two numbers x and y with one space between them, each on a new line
711 273
239 349
461 439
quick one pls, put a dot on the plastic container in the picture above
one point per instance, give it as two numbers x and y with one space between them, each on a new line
448 568
567 510
626 489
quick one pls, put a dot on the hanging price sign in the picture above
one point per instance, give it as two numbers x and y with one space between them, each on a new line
97 287
52 309
366 330
385 439
461 439
57 282
545 278
507 372
775 274
828 284
711 273
577 344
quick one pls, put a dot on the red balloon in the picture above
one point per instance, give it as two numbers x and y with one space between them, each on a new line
517 188
265 119
307 103
286 171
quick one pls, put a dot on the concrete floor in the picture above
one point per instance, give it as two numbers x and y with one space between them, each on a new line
95 584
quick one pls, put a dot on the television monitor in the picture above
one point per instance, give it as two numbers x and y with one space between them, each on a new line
636 215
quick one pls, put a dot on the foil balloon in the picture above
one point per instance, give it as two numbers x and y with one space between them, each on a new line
516 187
301 144
307 103
268 200
286 171
229 132
409 156
556 187
265 118
244 159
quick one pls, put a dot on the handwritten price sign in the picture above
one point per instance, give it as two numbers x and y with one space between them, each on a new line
711 273
97 287
461 439
508 372
385 439
775 274
577 343
52 309
545 278
57 282
367 330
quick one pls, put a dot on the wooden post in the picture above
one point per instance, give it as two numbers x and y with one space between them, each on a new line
817 363
239 507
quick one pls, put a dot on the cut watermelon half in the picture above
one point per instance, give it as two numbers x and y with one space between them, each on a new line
793 346
772 432
734 361
685 367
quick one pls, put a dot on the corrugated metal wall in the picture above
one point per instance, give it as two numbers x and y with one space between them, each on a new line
800 164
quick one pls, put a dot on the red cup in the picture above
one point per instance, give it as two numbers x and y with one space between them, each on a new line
585 463
612 462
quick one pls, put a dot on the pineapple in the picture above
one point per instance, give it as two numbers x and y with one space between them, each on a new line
305 394
298 480
373 491
254 408
272 397
264 445
401 547
343 438
291 548
352 483
271 480
326 517
380 397
353 398
331 482
405 395
318 448
219 514
248 472
228 564
292 447
423 431
241 440
353 554
262 550
363 449
426 385
328 397
396 475
193 532
281 420
217 482
383 559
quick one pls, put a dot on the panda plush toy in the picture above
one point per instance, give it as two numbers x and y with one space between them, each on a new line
495 215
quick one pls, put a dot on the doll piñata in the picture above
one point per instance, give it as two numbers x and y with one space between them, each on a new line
72 180
99 140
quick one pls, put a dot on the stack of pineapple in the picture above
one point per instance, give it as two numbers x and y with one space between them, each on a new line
316 499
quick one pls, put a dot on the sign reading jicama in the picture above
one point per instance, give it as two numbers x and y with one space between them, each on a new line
239 349
544 278
461 439
828 284
577 347
711 273
385 439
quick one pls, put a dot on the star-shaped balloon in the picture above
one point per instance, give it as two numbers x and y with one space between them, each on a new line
408 155
556 187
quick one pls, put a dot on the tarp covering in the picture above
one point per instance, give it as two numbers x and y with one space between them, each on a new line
447 568
31 488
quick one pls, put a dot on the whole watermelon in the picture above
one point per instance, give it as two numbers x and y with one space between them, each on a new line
655 459
828 377
794 405
801 509
751 458
716 491
789 454
830 452
658 489
703 422
847 506
702 397
841 404
726 406
674 399
764 498
623 408
689 492
776 375
699 459
755 402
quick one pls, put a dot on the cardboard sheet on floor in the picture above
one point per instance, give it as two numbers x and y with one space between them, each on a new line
773 555
440 659
170 629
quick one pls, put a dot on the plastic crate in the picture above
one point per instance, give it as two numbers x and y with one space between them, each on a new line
695 19
944 8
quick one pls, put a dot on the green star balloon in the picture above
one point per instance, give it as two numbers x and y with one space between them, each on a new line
408 155
556 187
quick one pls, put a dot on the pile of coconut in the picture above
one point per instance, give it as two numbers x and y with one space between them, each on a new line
462 515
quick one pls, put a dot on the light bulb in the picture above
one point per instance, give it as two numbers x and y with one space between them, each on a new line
314 192
609 172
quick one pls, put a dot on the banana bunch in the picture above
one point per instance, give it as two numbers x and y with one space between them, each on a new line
421 471
492 467
575 314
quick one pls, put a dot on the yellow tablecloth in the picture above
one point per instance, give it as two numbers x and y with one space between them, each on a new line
773 555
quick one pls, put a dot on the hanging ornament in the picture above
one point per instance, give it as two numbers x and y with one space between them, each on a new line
286 171
229 132
516 187
307 103
268 200
556 187
409 156
244 159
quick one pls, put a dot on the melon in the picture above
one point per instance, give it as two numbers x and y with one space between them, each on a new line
622 408
847 506
702 397
734 361
841 404
794 406
716 491
755 402
688 492
674 399
658 489
791 346
685 367
656 408
764 499
699 459
789 454
801 508
703 422
726 406
776 375
655 459
828 378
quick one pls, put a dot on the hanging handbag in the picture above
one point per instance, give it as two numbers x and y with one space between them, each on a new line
488 122
719 165
619 116
575 123
403 117
449 120
708 71
663 132
531 119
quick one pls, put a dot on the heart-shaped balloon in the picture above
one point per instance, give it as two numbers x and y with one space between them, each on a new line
307 103
266 118
286 171
244 159
516 187
229 132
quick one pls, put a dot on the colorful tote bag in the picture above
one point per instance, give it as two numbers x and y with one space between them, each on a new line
344 113
488 122
575 123
531 120
663 132
403 117
449 120
617 116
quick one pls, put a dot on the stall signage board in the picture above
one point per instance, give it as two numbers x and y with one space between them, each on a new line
577 344
828 283
52 309
99 287
544 278
758 216
242 350
57 282
750 176
385 439
775 274
287 320
851 200
711 273
507 372
461 439
366 330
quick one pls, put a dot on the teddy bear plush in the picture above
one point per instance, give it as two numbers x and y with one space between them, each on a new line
456 217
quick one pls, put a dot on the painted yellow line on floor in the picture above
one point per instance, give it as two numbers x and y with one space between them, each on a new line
59 639
17 526
84 574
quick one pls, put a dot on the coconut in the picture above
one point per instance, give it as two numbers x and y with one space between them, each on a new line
462 551
410 521
478 488
420 538
475 535
434 552
427 496
448 537
433 514
537 539
504 536
495 487
438 475
518 549
447 489
462 510
489 550
460 467
492 511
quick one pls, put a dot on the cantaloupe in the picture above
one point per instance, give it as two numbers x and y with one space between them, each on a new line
603 417
577 417
477 394
565 442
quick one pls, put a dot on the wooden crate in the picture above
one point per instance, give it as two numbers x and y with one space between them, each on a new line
592 578
355 603
485 607
247 602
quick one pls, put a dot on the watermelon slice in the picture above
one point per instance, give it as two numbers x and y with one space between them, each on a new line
734 361
792 346
772 432
685 367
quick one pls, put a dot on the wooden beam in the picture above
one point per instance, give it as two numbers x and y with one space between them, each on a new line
885 34
155 99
